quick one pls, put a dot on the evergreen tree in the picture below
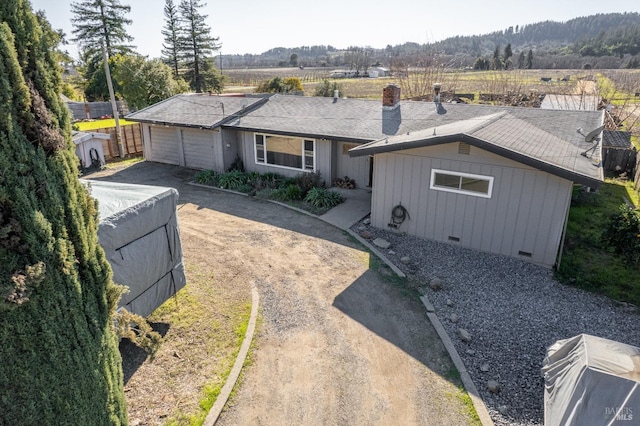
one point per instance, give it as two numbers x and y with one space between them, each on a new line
98 22
497 63
101 21
529 64
508 53
196 47
521 60
171 32
60 360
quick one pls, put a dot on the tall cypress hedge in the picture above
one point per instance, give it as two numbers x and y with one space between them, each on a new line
59 359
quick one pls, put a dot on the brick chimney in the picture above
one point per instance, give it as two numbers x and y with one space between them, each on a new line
390 96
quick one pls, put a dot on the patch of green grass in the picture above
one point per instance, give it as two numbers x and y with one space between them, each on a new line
586 260
87 126
212 390
453 375
123 162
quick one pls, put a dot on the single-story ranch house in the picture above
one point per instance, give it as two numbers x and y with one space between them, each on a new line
497 179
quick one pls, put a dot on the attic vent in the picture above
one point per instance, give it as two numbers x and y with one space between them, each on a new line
464 148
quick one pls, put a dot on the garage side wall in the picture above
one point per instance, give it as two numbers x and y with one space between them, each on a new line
524 217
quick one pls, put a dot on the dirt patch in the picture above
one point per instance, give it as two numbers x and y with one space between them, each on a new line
340 343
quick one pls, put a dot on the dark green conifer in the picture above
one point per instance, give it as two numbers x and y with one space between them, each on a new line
59 357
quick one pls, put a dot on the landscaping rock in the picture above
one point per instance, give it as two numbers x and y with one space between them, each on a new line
406 260
362 228
493 386
391 252
449 302
470 352
435 284
366 235
503 409
367 221
464 335
484 367
453 318
382 243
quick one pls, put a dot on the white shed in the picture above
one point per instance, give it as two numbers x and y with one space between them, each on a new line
89 147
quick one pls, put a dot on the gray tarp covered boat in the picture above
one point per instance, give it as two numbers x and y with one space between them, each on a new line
139 233
591 381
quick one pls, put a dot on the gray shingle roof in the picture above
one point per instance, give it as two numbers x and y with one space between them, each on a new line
194 110
616 139
542 138
545 141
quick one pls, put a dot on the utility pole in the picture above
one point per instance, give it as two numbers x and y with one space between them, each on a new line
114 105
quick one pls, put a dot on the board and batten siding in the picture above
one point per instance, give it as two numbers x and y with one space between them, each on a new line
322 158
356 168
524 217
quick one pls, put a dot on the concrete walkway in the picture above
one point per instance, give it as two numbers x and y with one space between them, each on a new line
357 205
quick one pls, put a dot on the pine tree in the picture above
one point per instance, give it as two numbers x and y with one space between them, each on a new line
521 60
508 53
101 21
171 32
497 63
529 64
196 47
60 360
98 22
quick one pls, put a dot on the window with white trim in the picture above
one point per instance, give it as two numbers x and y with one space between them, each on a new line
461 183
285 151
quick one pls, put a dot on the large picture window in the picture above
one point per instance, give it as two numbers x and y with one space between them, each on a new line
285 151
461 183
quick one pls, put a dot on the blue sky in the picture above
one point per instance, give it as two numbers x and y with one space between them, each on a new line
254 26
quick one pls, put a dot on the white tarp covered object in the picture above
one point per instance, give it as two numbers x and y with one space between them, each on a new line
591 381
139 233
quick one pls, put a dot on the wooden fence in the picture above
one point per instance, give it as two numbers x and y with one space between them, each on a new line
131 141
618 160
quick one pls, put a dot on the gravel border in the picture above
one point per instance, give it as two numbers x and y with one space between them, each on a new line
513 311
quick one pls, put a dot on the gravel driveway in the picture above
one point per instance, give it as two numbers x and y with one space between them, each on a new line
513 311
341 341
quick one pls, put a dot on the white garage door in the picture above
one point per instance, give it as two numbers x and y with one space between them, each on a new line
198 149
164 145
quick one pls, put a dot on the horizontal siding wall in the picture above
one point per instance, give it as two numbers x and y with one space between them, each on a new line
163 144
526 212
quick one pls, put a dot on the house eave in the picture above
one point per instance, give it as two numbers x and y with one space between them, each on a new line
487 146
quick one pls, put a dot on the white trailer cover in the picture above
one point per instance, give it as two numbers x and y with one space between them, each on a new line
139 233
591 381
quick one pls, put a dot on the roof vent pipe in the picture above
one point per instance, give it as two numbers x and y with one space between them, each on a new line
336 95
